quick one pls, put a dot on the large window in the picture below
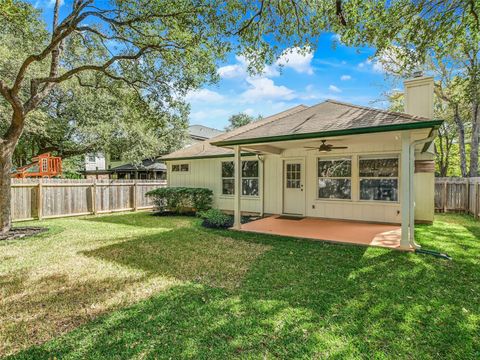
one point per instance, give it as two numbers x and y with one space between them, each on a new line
334 178
249 178
379 179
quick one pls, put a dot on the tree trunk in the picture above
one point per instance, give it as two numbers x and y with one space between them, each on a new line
461 142
5 192
474 141
7 147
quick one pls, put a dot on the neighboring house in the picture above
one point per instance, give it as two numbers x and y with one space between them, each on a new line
96 166
150 169
99 166
331 160
199 133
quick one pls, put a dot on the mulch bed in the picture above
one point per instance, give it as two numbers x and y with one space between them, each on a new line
22 232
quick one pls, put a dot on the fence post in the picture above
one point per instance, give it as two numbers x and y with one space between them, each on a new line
94 197
39 200
477 187
467 200
135 195
445 196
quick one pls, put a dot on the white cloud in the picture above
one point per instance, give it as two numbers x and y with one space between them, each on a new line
232 71
334 89
293 58
361 65
47 3
263 88
202 115
249 111
298 60
345 77
204 95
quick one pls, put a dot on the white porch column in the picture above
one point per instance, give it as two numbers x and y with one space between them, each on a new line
405 188
238 187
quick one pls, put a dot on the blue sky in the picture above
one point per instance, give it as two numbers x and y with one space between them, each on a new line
332 71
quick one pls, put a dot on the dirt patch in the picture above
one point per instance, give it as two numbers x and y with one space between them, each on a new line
22 232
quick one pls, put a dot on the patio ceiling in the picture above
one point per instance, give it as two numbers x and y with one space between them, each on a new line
351 141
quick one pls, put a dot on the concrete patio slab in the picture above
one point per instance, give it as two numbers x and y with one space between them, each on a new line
341 231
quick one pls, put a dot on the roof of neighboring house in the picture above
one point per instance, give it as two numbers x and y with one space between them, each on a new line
205 149
329 118
146 165
201 132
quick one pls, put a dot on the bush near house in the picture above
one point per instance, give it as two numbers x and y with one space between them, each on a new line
181 200
214 218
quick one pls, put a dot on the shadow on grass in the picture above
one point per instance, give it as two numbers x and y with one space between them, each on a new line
141 219
250 295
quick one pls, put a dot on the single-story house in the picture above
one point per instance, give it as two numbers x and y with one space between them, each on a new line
332 160
151 169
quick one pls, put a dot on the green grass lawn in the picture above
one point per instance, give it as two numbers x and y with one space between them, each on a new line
139 286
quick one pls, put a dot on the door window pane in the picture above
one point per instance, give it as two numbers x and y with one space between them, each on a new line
293 176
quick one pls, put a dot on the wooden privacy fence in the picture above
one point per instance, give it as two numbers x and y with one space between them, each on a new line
458 194
50 198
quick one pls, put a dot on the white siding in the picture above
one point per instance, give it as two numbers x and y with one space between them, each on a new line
96 163
207 173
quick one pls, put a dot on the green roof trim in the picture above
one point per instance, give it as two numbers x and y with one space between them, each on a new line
435 124
206 157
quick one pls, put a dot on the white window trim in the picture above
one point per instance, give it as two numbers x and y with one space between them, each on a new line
242 178
379 157
180 164
333 158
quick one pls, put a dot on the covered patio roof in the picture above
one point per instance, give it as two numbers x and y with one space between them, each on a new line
341 231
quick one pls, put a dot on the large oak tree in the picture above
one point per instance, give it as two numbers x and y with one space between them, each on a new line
162 48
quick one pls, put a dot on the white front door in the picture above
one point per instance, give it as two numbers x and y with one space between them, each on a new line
293 180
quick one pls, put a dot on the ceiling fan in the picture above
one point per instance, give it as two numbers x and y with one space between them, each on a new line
325 147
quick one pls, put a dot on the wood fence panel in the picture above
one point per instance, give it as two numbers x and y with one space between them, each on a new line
45 198
458 195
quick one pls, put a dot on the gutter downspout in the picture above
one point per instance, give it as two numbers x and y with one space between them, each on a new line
430 138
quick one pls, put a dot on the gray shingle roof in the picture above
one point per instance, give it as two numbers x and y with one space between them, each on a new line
203 132
328 116
145 165
205 149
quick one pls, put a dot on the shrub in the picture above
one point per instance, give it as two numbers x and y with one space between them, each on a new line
215 218
181 200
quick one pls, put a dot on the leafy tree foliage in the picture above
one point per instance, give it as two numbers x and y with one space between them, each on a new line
162 49
239 120
442 37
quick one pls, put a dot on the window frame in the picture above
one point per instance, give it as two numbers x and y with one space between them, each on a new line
241 178
227 177
360 178
180 171
251 178
334 158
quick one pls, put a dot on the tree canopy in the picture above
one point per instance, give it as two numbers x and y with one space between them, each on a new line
239 120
